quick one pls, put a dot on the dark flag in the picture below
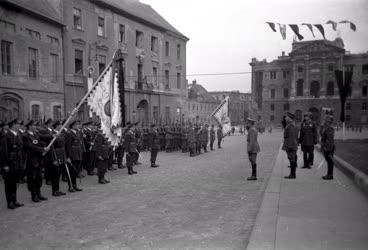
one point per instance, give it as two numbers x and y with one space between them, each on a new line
272 26
295 28
344 89
321 29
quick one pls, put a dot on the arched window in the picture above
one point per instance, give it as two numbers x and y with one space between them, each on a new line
314 89
330 89
299 87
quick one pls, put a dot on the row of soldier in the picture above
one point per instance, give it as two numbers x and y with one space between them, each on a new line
25 157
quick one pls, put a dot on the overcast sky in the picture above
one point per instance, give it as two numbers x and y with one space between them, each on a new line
225 35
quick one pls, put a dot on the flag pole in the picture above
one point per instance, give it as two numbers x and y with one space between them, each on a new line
75 110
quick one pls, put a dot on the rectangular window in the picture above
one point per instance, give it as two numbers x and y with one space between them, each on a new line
78 62
56 112
300 69
272 107
154 70
273 74
35 112
77 19
6 57
167 48
101 26
122 33
364 106
365 69
286 107
32 62
286 92
33 34
364 90
8 26
272 118
178 48
272 93
167 79
140 75
285 73
348 106
54 67
53 40
101 63
154 44
178 80
139 39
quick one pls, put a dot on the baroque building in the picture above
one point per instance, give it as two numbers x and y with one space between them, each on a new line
304 81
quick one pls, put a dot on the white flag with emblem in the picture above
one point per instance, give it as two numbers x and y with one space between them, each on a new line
104 101
221 114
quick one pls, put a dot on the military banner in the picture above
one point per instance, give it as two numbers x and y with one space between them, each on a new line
221 115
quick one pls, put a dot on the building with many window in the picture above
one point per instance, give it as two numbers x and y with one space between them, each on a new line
31 59
304 81
241 105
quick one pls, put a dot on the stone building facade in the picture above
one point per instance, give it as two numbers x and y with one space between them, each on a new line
241 105
31 59
73 41
154 56
304 80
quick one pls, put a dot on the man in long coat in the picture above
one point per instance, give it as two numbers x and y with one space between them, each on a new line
328 145
291 143
252 147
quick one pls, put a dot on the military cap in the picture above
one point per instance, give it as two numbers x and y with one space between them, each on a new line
55 123
48 121
290 115
87 123
12 122
29 123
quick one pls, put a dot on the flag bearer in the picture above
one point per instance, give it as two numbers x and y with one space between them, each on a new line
252 147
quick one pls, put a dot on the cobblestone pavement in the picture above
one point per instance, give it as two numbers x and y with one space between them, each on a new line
187 203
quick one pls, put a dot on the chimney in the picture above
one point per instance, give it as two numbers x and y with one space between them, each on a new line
194 82
283 53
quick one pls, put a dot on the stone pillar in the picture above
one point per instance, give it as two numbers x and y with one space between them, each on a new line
307 80
293 81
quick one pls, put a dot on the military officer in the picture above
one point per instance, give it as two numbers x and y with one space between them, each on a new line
11 151
138 137
74 153
35 149
307 139
291 143
192 141
45 134
219 136
212 136
130 146
252 147
102 157
57 152
328 145
204 137
154 145
22 170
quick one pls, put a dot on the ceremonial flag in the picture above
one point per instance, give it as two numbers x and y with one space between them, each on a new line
221 115
295 28
272 26
321 29
104 101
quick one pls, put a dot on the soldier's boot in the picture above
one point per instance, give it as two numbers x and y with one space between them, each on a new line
77 188
11 205
17 204
254 173
133 172
41 197
329 175
292 172
154 165
35 197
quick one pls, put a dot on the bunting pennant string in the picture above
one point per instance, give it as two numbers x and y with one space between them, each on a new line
334 24
282 28
352 25
310 27
295 28
272 26
321 30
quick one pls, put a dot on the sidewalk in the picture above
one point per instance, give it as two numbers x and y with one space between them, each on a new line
310 213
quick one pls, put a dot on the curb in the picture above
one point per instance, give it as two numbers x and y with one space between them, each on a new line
358 177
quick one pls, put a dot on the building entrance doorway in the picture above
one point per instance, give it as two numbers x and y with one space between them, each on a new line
10 108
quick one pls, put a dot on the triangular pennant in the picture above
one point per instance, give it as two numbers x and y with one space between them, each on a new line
334 24
352 25
295 28
272 26
321 29
282 28
310 27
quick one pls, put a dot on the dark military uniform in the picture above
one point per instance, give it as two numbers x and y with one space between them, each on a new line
291 146
212 137
198 140
74 151
184 140
219 137
204 138
253 149
102 157
130 146
328 148
307 139
192 142
11 153
154 144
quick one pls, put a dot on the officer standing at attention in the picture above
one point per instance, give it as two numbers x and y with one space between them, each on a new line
130 146
102 157
35 150
219 136
11 162
328 145
252 147
204 137
307 139
291 143
212 136
154 145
